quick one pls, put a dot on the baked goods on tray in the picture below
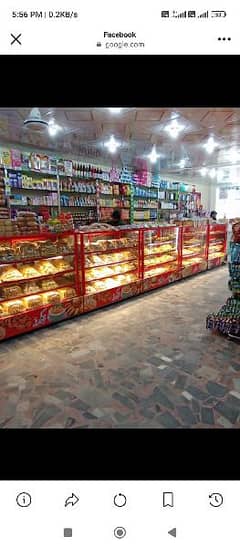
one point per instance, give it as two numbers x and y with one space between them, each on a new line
10 274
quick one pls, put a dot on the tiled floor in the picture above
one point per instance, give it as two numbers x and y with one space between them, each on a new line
147 362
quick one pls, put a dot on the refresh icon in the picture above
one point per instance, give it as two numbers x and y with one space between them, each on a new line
120 500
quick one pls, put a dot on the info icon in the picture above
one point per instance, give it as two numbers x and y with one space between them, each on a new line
24 499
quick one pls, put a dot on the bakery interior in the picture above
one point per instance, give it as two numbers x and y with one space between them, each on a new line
103 323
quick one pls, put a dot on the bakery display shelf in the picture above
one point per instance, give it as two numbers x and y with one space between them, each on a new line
159 264
33 259
38 277
165 242
193 255
32 205
112 274
29 310
93 266
115 285
116 249
42 291
189 246
165 272
147 255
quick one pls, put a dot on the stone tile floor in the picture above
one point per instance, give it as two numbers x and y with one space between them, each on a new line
147 363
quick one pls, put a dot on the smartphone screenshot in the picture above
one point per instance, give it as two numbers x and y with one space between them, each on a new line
119 244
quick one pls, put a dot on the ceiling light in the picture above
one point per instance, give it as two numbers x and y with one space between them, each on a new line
174 128
115 110
233 155
212 173
112 145
153 156
53 128
210 145
182 163
203 171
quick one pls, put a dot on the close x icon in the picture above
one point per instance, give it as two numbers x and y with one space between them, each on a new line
16 39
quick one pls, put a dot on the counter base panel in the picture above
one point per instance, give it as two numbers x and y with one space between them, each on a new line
160 280
194 269
105 298
214 262
40 317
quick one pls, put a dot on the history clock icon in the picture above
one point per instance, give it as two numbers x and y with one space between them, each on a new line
216 499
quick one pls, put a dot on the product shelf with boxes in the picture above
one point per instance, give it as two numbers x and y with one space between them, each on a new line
160 256
110 266
217 244
39 281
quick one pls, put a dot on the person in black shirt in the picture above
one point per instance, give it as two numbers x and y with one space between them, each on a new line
116 218
213 215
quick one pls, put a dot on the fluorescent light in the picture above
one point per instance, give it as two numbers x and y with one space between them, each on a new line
210 145
174 128
115 110
212 173
203 171
112 145
153 156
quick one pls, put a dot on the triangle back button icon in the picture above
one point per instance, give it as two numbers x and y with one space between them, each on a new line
173 532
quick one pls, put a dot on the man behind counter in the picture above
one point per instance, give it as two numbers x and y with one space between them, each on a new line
116 218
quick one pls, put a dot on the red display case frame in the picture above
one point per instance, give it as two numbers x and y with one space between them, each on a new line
118 293
199 228
45 314
159 280
218 261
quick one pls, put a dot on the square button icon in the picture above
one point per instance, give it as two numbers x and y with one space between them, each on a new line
67 532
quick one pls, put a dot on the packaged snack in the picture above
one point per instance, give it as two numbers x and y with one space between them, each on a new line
30 288
68 293
52 298
28 271
10 274
2 311
12 291
46 268
33 301
14 306
49 284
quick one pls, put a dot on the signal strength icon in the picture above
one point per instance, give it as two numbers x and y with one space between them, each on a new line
204 14
183 14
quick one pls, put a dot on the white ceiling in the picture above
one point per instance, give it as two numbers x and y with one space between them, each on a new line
137 129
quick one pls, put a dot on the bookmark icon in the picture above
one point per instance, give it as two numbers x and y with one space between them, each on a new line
168 499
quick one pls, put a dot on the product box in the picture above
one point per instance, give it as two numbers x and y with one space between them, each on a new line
16 159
